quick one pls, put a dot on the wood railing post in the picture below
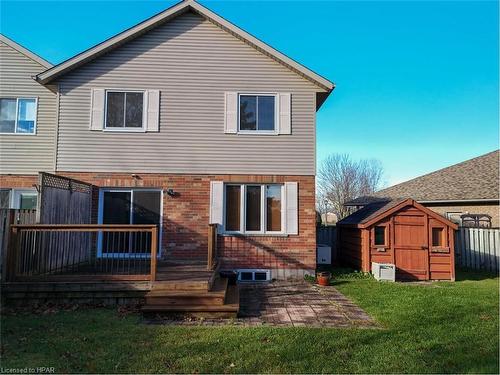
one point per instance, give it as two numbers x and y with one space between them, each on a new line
154 246
12 254
212 246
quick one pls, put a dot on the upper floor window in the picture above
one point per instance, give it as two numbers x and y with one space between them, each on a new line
18 115
124 110
257 113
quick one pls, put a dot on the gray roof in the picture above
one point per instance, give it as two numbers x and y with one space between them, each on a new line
474 179
165 16
369 212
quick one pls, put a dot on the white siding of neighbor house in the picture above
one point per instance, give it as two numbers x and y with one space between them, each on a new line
26 154
193 63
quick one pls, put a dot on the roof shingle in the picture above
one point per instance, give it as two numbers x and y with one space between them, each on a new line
473 179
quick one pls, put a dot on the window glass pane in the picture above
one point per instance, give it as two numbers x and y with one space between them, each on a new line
133 107
4 198
253 208
26 116
7 115
248 108
233 205
266 113
114 109
27 201
379 235
437 236
273 207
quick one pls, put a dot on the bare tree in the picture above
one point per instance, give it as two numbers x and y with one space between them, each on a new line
341 179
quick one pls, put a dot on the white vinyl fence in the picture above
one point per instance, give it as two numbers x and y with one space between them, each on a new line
478 248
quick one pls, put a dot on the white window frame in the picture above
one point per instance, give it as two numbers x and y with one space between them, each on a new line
263 221
100 215
17 114
124 128
276 114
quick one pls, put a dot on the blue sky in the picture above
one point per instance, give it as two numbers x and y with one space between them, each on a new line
417 82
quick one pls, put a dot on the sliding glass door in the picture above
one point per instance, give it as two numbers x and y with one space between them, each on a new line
133 206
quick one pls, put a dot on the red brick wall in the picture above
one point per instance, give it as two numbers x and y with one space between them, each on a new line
186 217
18 181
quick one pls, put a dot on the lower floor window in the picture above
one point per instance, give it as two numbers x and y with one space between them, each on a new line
253 208
24 199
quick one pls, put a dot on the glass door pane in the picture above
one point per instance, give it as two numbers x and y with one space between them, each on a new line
146 210
116 210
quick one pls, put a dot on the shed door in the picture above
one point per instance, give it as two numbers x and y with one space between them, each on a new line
411 245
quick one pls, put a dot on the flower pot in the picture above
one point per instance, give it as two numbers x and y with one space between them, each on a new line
323 278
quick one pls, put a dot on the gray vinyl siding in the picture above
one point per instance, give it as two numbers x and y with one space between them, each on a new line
26 154
192 62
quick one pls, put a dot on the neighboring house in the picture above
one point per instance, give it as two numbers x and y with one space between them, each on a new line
186 120
27 124
466 193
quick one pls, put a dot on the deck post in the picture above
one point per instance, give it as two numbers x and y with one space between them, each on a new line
212 246
154 246
12 253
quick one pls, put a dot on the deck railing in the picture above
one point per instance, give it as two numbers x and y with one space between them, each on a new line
79 252
212 246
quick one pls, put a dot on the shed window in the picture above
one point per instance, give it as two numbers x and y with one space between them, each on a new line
124 110
379 235
18 115
437 237
257 113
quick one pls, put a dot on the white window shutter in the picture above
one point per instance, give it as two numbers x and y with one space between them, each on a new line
97 110
292 204
285 117
231 112
153 111
216 202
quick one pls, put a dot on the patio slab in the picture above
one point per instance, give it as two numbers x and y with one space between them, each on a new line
289 304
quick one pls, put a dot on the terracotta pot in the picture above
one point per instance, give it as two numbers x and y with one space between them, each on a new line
323 278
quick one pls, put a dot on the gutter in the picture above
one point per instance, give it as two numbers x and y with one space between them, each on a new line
489 200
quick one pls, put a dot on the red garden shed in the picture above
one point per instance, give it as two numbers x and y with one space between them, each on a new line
402 232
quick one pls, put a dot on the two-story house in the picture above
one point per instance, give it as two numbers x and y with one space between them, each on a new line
182 120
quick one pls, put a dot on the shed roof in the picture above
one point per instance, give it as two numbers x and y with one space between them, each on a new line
26 52
476 179
169 14
376 211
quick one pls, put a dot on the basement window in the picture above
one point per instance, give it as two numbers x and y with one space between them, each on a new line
254 275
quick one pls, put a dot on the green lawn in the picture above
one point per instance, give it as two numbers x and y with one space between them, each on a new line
442 328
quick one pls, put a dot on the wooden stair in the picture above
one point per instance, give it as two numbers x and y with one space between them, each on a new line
191 290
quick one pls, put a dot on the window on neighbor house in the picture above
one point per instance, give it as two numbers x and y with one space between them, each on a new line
124 110
257 113
379 236
4 198
254 208
437 237
18 115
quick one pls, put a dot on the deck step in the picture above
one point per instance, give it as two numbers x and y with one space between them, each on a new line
215 296
221 302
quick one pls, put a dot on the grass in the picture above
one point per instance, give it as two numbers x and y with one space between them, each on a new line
442 328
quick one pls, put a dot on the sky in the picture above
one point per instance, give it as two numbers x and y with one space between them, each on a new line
417 82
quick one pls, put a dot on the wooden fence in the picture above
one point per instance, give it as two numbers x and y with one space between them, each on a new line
477 248
10 217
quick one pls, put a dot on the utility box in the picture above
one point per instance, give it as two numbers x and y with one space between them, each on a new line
384 271
323 254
